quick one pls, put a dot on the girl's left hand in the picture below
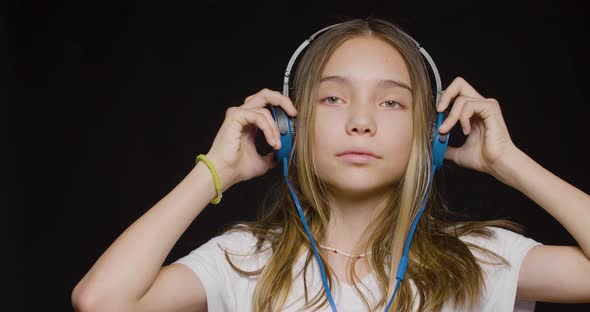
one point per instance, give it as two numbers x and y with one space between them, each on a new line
488 140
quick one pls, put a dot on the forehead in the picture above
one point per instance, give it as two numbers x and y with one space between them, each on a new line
366 59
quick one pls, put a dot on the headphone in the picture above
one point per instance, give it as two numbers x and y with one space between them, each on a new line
287 126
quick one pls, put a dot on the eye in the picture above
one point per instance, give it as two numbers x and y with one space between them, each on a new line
391 103
331 100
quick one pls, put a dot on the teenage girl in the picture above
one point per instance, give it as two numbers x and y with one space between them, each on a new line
358 176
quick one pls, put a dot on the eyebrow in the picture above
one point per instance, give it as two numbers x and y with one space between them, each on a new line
384 82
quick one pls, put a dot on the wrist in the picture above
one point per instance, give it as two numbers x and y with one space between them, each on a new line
226 174
507 168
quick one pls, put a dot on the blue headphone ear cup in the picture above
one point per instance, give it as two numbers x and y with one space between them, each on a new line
439 142
286 126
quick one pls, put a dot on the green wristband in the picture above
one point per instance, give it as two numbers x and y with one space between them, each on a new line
216 179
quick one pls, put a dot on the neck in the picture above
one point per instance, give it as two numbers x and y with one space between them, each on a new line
350 215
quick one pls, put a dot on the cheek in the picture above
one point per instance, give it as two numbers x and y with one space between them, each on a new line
326 128
324 145
398 143
402 136
321 142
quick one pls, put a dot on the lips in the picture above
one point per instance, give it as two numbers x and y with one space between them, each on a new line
363 152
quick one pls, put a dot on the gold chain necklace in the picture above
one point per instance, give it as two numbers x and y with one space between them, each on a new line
344 253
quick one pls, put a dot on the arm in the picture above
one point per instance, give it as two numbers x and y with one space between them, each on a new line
129 275
548 273
552 273
567 204
127 269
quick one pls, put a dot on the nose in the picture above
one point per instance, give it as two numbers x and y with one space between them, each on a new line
360 121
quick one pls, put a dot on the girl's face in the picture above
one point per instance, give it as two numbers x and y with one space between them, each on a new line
364 105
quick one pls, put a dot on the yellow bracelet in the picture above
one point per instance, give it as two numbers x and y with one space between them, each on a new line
216 179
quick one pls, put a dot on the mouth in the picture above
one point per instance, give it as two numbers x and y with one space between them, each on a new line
359 151
358 156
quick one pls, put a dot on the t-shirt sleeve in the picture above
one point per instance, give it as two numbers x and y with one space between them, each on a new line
502 280
220 281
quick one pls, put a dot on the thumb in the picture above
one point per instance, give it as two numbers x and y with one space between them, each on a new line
452 153
269 160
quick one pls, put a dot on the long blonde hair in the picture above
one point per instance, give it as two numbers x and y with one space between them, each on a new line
440 266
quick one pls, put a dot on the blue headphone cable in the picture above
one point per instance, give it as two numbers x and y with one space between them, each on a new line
401 271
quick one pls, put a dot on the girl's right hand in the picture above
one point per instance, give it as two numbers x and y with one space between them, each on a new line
233 151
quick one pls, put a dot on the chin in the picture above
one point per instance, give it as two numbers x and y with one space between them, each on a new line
357 182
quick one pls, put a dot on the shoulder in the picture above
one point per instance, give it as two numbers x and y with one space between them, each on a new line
509 245
237 242
501 280
505 242
215 262
237 245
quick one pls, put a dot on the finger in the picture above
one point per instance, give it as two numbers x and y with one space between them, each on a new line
266 96
486 110
452 153
273 123
466 114
263 164
249 98
455 113
458 87
246 117
269 160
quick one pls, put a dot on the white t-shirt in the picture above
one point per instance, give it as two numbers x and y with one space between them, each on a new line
227 290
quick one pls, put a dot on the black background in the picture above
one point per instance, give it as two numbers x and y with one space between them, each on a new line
118 97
